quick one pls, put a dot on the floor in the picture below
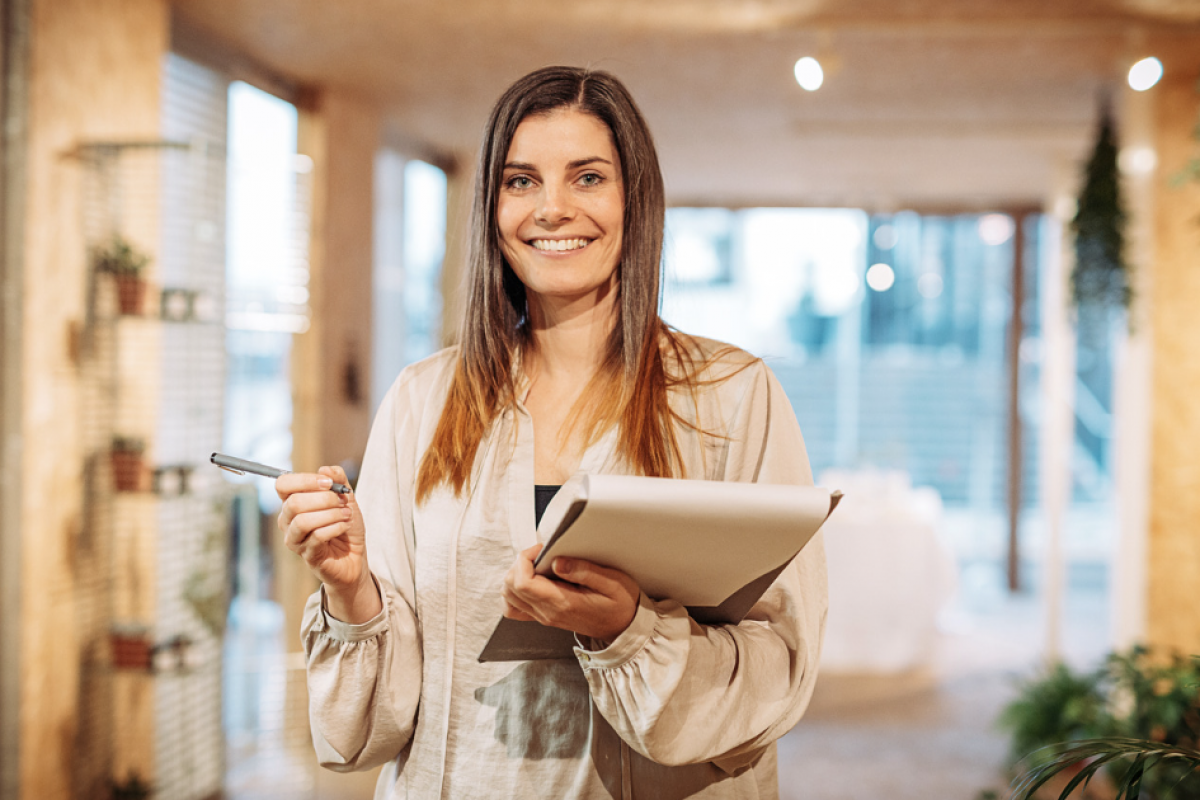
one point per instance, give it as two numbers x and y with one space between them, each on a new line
930 734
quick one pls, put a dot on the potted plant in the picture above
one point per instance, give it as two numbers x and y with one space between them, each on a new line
1060 705
126 264
128 463
131 647
132 788
1134 723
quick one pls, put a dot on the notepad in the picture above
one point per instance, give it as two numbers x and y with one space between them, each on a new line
712 546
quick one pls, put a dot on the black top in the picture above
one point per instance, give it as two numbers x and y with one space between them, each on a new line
542 495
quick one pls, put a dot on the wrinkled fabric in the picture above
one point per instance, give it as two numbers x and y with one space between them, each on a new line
669 709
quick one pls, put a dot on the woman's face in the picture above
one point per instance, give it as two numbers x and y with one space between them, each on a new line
561 210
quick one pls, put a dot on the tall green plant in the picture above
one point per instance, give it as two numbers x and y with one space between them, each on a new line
1101 274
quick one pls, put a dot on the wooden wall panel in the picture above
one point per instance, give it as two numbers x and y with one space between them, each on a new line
332 361
94 74
1173 565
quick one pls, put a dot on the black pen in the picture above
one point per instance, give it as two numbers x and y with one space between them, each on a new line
241 466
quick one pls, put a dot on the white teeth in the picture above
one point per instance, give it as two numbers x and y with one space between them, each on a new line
560 244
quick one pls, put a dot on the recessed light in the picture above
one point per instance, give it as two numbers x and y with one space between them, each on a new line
809 74
1145 74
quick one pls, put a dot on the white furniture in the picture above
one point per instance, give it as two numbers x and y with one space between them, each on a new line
889 573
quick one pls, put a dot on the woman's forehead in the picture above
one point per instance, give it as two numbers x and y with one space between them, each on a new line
564 134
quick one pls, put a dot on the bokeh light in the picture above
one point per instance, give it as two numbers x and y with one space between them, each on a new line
880 277
995 229
1145 74
809 74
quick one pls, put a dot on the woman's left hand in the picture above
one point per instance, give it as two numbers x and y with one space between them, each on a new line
588 599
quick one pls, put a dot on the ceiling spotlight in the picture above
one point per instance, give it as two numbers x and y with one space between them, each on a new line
809 74
1142 75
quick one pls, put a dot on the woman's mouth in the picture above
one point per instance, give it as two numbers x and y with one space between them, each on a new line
560 245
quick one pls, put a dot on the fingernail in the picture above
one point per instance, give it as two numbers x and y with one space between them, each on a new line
563 566
345 513
325 483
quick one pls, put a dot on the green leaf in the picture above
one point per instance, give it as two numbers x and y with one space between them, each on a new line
1147 757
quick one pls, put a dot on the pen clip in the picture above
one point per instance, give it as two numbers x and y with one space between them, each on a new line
231 469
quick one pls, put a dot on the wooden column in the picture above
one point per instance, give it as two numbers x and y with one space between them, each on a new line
94 74
1173 556
14 75
460 192
331 362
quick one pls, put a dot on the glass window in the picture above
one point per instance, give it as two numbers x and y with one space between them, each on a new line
266 276
889 334
410 243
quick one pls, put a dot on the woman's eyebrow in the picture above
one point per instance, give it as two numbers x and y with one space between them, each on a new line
582 162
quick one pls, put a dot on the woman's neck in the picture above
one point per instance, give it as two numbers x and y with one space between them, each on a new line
570 336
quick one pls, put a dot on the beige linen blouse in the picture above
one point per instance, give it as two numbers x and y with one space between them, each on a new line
670 709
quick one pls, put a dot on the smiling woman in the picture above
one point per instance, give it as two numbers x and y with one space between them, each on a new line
565 369
561 212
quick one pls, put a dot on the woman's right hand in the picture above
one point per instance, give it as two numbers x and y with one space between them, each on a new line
326 530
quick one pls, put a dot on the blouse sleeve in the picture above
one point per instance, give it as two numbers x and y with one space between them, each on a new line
364 681
680 692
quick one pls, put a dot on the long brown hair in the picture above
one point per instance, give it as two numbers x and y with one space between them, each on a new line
632 384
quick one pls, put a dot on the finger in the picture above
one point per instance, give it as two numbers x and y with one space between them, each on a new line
513 613
304 502
284 519
303 525
292 482
337 474
602 580
519 604
521 577
321 544
327 533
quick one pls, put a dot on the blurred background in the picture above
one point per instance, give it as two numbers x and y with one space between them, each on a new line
228 224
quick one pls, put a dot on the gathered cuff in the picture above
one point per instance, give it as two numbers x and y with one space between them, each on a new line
625 647
340 631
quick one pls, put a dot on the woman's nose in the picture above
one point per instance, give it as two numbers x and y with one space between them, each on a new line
554 206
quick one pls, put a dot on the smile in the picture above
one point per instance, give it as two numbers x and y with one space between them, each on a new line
558 245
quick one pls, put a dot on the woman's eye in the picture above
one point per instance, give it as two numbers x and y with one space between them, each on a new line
519 182
591 179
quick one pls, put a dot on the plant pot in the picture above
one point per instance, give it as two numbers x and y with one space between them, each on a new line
131 295
128 468
131 650
126 793
131 789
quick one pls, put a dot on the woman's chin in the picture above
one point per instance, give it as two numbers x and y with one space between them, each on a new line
559 292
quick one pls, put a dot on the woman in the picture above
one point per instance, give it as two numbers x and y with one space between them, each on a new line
564 369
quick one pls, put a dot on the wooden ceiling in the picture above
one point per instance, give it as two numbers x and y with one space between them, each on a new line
926 103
